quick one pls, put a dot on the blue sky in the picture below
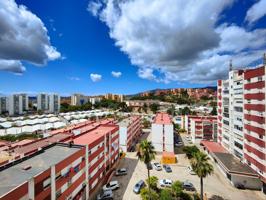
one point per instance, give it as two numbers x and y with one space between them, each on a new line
96 41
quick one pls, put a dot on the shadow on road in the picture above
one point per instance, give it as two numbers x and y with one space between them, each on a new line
216 197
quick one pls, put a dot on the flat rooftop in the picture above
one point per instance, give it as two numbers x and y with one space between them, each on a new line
93 135
15 175
162 118
213 147
233 165
126 122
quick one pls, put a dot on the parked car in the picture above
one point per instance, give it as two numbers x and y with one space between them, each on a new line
167 168
165 183
104 195
157 166
188 186
139 185
191 171
113 185
120 172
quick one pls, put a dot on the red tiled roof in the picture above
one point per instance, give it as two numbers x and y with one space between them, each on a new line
213 147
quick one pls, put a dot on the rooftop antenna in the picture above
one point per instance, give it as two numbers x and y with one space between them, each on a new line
264 58
230 65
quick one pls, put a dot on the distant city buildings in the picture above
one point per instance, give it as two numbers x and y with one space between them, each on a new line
18 104
78 99
162 133
129 131
48 103
115 97
241 116
3 104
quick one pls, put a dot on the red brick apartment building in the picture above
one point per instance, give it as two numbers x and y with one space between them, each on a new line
46 169
241 117
189 118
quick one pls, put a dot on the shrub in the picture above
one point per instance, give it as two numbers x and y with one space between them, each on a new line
185 196
165 194
153 182
177 188
144 193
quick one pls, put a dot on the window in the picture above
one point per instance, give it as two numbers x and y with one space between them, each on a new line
248 80
260 78
58 175
76 168
46 183
260 136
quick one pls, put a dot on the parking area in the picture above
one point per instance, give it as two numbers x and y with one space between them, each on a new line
216 186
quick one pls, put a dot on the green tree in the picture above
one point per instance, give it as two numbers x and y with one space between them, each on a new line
201 166
165 194
146 123
176 188
152 181
190 151
147 194
214 111
146 153
154 107
145 107
171 111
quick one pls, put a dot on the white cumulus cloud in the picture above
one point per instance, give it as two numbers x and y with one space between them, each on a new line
95 77
23 37
170 40
116 74
257 11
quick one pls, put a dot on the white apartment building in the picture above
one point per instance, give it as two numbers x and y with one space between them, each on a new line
232 124
3 104
129 131
79 99
94 100
42 102
54 103
162 132
241 117
18 103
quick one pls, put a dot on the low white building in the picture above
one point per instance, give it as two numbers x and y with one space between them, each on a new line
162 131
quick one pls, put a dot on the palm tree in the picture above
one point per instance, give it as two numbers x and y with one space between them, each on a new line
201 166
146 153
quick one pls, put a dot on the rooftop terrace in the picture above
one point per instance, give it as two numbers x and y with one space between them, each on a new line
162 118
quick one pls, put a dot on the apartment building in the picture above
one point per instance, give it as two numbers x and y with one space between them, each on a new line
129 132
241 117
75 169
189 118
42 102
203 129
18 103
115 97
53 103
3 105
94 100
103 145
162 132
56 172
78 99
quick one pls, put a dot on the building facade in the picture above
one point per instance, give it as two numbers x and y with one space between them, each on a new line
115 97
189 118
42 102
241 117
203 129
3 105
162 132
53 103
79 99
18 104
129 132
